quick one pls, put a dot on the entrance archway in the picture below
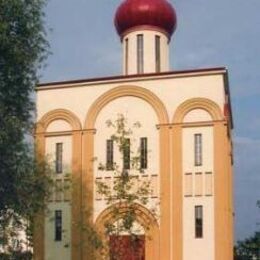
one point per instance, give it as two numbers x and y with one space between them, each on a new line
145 218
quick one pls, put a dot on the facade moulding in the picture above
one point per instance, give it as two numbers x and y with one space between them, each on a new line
136 77
192 124
89 131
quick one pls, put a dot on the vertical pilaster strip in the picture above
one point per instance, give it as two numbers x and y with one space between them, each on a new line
76 195
177 198
87 189
165 204
230 192
223 243
39 225
152 243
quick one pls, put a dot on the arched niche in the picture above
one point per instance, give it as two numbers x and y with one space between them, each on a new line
197 115
58 114
121 91
58 125
197 103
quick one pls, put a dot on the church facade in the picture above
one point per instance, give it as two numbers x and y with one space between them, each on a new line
186 122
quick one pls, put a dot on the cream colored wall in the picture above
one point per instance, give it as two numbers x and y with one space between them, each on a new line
58 125
149 51
197 115
58 249
134 110
202 248
171 90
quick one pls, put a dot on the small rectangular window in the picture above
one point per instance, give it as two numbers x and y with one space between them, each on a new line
198 221
58 166
140 53
143 151
126 154
126 56
110 155
58 225
198 149
157 53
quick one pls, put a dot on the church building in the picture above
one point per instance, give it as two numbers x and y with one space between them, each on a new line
185 136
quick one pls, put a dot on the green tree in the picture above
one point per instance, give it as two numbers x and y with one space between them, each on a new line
23 48
249 248
127 189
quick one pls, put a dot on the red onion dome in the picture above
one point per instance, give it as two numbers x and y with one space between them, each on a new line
150 13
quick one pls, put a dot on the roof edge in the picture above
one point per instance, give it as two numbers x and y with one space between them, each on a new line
88 80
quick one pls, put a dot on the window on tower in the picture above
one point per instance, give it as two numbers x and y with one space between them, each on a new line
143 153
157 53
198 149
58 161
110 155
58 225
126 55
198 221
126 154
140 53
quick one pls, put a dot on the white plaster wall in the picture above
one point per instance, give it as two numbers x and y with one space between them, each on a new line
202 248
59 249
149 51
134 110
172 91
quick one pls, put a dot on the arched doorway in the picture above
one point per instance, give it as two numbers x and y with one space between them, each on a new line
142 246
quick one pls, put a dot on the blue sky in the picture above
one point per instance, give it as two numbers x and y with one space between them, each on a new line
210 33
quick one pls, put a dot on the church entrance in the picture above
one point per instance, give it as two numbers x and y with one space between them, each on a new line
125 247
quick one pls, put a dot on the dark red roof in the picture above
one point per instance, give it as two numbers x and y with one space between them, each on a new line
155 13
